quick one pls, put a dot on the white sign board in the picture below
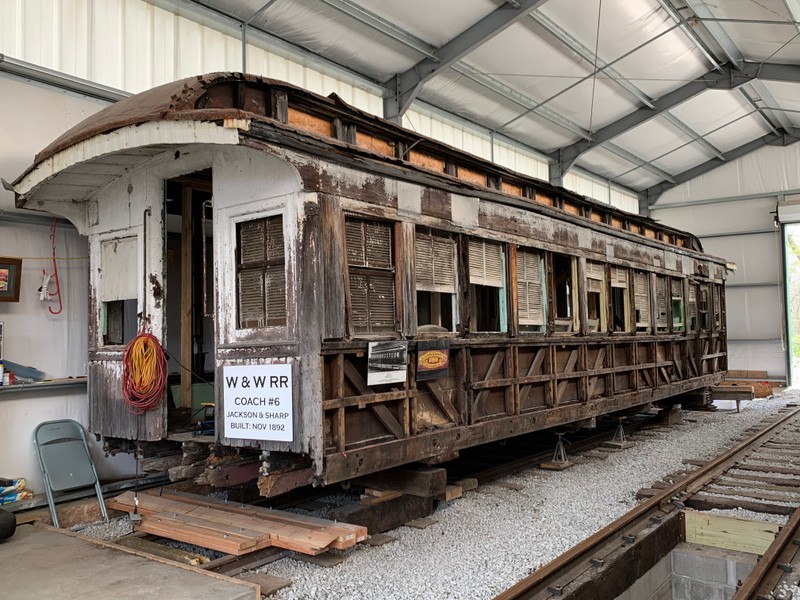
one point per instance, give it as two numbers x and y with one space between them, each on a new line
258 402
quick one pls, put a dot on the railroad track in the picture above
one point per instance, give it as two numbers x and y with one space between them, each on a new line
609 562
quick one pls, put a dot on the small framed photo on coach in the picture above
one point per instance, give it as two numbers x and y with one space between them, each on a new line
10 276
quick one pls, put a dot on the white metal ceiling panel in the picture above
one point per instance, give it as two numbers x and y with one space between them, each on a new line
786 95
683 158
539 133
528 63
636 38
653 139
435 22
338 37
604 162
739 133
712 109
754 30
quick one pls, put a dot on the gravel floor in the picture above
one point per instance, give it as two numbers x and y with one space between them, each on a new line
493 536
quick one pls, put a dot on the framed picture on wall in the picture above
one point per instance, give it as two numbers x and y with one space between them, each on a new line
10 275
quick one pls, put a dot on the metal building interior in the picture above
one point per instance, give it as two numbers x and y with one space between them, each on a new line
685 112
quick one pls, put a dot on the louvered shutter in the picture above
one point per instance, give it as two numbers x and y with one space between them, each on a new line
274 233
594 277
692 307
529 288
381 303
378 245
251 299
354 238
717 307
372 302
359 305
275 282
261 280
619 277
435 263
642 299
251 242
486 263
662 302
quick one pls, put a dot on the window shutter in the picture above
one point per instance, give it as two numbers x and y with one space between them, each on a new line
251 298
359 306
381 302
529 288
275 281
261 278
594 277
251 242
378 245
435 262
692 306
619 277
662 302
274 245
642 299
354 238
486 263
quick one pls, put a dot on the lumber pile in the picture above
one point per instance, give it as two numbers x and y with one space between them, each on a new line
234 528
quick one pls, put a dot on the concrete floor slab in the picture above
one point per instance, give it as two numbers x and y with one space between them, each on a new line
40 562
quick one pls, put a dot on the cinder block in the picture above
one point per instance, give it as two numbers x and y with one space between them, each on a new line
744 566
680 588
700 566
706 591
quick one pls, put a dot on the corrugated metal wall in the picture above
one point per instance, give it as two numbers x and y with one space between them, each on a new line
732 210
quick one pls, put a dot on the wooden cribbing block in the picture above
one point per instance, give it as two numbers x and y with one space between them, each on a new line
451 492
425 483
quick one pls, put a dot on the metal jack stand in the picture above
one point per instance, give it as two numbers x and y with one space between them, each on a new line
618 441
559 462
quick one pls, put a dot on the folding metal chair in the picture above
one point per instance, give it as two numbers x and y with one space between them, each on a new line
65 461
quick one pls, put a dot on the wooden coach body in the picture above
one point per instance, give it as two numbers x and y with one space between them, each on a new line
357 258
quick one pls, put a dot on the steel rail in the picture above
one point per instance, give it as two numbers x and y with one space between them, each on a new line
780 552
662 501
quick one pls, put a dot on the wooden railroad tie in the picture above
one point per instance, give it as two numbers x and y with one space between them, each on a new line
235 528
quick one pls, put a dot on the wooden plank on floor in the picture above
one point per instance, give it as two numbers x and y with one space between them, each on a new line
729 533
156 549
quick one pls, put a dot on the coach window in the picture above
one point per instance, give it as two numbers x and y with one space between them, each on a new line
718 308
641 301
487 286
370 264
620 300
435 265
676 294
565 299
662 304
530 293
261 273
702 306
596 296
692 307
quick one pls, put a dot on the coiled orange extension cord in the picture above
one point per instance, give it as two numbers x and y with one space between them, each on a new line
144 373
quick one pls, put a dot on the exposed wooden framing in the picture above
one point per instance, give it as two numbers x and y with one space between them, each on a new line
536 364
443 401
381 412
187 228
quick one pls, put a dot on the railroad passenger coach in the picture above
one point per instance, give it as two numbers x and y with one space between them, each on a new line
338 295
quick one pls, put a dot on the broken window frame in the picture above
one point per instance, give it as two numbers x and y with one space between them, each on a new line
677 306
703 312
363 262
663 305
116 301
641 302
484 276
620 278
719 308
439 282
527 291
567 324
596 297
271 268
